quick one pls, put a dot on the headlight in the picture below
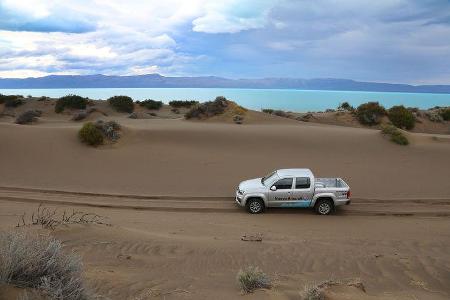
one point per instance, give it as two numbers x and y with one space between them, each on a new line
240 192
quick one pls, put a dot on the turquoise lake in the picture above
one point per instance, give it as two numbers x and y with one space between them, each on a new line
293 100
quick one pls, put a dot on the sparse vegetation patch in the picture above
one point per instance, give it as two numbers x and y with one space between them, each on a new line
370 113
208 109
346 106
121 103
445 114
252 278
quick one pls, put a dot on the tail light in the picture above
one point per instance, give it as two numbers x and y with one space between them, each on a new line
349 194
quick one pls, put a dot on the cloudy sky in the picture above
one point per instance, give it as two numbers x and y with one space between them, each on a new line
404 41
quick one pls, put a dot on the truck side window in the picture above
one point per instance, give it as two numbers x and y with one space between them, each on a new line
302 183
284 184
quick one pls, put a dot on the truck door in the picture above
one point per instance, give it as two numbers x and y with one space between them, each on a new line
280 192
302 193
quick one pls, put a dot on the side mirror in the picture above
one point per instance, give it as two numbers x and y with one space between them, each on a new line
273 188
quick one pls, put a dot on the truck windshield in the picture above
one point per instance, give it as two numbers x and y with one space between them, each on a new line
268 178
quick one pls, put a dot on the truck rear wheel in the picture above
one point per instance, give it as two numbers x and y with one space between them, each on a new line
324 206
255 206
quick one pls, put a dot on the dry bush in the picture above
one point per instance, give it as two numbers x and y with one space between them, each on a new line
28 117
52 218
81 115
252 278
346 107
238 119
38 262
317 291
110 129
267 110
445 114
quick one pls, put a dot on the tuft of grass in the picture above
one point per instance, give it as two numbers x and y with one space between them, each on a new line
252 278
38 262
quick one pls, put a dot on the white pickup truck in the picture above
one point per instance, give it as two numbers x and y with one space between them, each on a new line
293 188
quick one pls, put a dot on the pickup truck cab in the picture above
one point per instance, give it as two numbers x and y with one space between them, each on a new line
293 188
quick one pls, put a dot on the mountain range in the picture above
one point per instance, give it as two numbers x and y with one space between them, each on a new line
159 81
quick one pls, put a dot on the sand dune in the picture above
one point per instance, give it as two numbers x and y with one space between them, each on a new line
167 186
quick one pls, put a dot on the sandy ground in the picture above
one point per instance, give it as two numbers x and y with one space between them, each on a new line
166 187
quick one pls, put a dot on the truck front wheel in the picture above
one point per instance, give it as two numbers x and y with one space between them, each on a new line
324 206
255 206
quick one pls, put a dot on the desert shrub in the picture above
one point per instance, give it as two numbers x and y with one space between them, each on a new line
28 117
38 262
90 134
399 138
267 110
239 110
183 103
70 101
208 109
109 129
370 113
43 98
151 104
401 117
152 114
81 115
445 114
133 115
122 103
395 135
175 110
252 278
434 116
11 100
238 119
346 106
280 113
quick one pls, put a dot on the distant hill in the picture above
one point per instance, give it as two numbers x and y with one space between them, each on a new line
159 81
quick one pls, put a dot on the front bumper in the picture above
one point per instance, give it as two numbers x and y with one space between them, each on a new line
239 198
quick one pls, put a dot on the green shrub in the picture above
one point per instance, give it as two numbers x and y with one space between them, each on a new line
445 114
399 138
252 278
346 106
182 103
370 113
395 135
267 110
151 104
401 117
70 101
122 103
90 134
208 109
